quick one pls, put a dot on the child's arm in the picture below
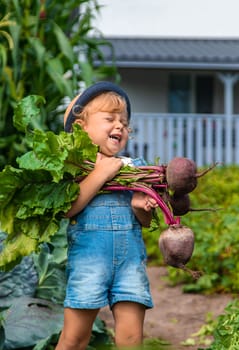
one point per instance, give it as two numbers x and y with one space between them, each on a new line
105 169
142 206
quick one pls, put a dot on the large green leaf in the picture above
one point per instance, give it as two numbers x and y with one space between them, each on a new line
20 281
48 154
55 70
47 342
35 196
40 50
86 72
28 113
11 180
52 277
64 44
30 320
3 56
14 251
30 210
59 243
58 154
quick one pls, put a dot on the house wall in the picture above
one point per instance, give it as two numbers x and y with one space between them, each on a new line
148 90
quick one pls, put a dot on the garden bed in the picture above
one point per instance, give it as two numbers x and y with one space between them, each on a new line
176 315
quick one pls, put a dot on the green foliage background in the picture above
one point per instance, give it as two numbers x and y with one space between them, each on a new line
226 333
216 251
47 48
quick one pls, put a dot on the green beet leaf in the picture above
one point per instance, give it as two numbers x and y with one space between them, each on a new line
16 249
46 155
27 113
59 154
35 196
33 212
11 180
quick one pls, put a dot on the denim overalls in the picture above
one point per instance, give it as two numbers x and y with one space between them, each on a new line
106 255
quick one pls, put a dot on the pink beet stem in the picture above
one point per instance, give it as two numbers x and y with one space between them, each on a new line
145 175
168 217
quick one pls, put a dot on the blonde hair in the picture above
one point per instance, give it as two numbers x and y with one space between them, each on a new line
105 102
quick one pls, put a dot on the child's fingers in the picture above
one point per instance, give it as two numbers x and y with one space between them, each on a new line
150 202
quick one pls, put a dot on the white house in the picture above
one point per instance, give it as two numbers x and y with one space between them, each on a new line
184 89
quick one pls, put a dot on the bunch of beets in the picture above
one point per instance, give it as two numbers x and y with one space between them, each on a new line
170 186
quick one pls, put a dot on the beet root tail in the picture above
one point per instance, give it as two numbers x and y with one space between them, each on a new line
195 274
204 172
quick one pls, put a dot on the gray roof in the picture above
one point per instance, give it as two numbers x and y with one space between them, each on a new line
173 53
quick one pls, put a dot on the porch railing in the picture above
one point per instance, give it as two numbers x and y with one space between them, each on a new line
203 138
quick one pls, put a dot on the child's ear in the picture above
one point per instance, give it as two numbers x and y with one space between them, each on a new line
80 122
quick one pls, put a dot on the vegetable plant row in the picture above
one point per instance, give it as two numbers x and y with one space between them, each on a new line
36 195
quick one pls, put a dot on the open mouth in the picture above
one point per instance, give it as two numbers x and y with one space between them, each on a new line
115 137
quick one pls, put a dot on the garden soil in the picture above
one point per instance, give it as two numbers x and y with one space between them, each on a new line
176 315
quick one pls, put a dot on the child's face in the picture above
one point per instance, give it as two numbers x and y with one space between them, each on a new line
107 130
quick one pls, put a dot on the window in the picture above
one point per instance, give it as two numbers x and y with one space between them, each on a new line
190 93
204 94
179 93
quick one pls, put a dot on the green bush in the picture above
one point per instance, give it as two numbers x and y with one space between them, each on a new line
216 234
47 48
226 335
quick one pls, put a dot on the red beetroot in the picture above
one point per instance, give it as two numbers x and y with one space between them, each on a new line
180 204
176 244
182 176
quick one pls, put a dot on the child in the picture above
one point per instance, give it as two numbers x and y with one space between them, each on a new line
106 254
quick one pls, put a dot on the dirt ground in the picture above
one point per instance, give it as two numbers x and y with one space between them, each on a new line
176 315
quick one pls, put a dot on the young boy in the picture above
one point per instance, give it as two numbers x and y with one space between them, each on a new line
106 254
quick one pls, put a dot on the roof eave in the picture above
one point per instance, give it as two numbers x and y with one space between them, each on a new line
173 65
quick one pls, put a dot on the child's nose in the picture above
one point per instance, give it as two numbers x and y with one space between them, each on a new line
119 124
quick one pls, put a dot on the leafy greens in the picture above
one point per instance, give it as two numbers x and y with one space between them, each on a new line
35 196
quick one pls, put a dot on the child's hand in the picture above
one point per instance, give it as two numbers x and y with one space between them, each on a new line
107 167
143 201
142 206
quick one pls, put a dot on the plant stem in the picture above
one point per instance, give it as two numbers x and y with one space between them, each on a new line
168 216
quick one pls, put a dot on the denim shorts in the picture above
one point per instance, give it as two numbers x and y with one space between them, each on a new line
106 255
